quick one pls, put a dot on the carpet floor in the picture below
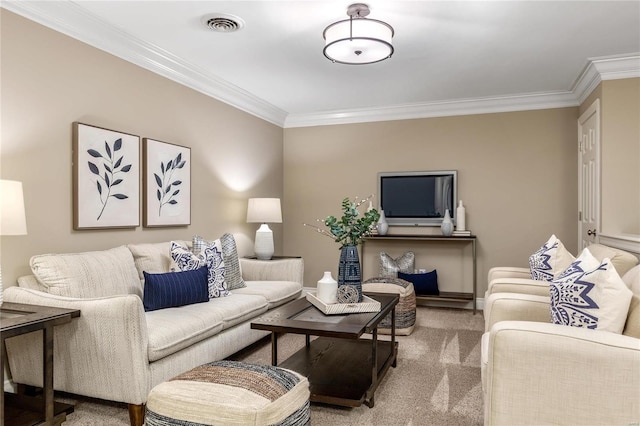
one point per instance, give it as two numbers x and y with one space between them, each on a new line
436 381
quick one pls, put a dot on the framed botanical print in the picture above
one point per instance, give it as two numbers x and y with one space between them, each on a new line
106 178
167 184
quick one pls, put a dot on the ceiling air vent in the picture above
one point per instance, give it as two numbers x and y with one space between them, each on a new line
223 23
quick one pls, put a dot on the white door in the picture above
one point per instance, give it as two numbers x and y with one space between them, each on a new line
589 176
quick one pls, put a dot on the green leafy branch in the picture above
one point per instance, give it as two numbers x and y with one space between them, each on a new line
351 228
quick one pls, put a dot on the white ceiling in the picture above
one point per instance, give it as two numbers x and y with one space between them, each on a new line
451 57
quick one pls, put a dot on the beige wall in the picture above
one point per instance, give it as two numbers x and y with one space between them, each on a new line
50 80
516 175
621 157
517 171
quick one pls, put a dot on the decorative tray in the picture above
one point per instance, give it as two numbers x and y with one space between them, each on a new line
367 305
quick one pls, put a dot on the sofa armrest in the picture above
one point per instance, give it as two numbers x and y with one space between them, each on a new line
507 272
552 374
518 285
102 354
516 307
290 269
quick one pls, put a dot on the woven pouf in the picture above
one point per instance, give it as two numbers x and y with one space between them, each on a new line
405 309
230 393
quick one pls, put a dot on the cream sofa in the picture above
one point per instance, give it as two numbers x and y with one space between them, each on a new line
504 279
538 373
117 351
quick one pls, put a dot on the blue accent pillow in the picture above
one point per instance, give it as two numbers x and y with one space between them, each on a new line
175 289
425 284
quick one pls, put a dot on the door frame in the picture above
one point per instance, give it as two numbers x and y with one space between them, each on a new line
594 108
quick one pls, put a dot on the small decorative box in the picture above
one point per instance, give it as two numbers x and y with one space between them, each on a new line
367 305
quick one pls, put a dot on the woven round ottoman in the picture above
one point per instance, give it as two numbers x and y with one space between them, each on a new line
405 309
230 393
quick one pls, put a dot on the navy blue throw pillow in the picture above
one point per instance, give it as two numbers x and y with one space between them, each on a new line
175 289
426 284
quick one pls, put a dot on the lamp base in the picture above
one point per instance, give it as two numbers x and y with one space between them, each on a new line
264 243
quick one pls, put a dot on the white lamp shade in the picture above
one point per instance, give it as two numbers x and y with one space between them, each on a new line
264 210
370 41
12 216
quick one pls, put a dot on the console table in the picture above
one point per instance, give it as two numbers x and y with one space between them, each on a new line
411 240
17 319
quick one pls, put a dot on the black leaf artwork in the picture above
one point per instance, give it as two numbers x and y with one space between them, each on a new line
111 169
167 185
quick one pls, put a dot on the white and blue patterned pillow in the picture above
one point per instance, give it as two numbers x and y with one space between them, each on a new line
211 257
590 294
550 260
232 272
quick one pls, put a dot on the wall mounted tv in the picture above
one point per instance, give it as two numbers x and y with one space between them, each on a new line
417 198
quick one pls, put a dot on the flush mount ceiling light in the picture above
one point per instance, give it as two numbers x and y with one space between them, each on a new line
358 40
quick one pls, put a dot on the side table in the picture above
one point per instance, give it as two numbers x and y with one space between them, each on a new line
17 319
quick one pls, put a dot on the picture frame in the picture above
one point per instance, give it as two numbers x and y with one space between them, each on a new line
166 180
106 178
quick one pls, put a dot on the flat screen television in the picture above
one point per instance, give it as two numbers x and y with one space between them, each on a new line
417 198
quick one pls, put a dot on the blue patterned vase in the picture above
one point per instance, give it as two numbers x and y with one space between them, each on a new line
349 269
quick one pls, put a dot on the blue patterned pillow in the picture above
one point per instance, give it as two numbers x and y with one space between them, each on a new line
211 257
550 259
173 289
590 294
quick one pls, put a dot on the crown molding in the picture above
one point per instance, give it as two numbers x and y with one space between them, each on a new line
530 101
73 20
605 68
70 18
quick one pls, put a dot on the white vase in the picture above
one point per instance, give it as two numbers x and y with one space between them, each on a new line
460 217
447 224
382 224
327 289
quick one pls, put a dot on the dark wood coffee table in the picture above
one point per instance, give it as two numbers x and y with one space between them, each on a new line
343 368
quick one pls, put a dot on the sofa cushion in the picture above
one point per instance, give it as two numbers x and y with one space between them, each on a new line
389 267
590 294
484 360
632 280
211 257
173 329
621 260
232 272
549 260
275 292
89 274
154 258
172 289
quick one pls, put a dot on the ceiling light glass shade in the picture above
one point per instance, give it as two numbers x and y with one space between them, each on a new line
358 41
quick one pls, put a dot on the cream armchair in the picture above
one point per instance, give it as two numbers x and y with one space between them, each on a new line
518 280
536 373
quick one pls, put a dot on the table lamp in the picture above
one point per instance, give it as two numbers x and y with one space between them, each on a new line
264 210
12 217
